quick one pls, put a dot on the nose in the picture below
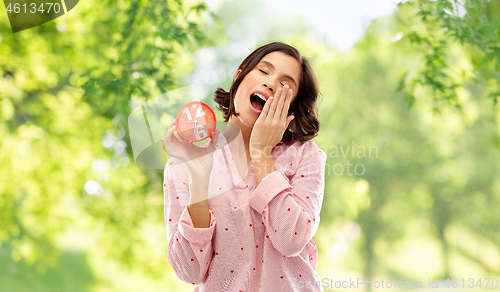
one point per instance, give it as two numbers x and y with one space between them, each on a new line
269 87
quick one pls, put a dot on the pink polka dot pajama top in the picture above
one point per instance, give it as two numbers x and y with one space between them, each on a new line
260 238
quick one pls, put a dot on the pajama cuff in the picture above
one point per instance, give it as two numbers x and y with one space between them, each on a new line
192 234
270 186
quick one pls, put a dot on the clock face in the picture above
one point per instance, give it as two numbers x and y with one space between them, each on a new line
195 121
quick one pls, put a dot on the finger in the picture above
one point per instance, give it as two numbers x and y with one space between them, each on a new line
163 144
181 138
286 106
165 148
281 104
171 138
170 132
273 105
267 105
171 128
171 123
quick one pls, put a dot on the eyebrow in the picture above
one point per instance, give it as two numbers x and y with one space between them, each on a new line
286 76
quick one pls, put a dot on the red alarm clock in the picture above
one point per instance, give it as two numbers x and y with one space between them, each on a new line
195 121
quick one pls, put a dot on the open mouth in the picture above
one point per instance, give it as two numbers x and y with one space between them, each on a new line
257 102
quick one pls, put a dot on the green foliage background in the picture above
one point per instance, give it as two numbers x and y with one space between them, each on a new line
419 90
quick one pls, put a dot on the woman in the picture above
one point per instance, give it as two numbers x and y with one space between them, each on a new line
253 231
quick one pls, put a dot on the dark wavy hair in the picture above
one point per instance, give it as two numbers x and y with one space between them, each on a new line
305 125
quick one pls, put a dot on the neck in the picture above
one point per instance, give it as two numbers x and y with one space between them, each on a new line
236 128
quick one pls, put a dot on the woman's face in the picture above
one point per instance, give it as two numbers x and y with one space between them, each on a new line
274 71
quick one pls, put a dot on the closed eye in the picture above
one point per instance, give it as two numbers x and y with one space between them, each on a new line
268 74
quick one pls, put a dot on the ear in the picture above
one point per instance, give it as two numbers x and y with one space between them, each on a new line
237 73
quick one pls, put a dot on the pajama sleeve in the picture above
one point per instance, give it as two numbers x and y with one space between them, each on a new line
290 210
189 248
